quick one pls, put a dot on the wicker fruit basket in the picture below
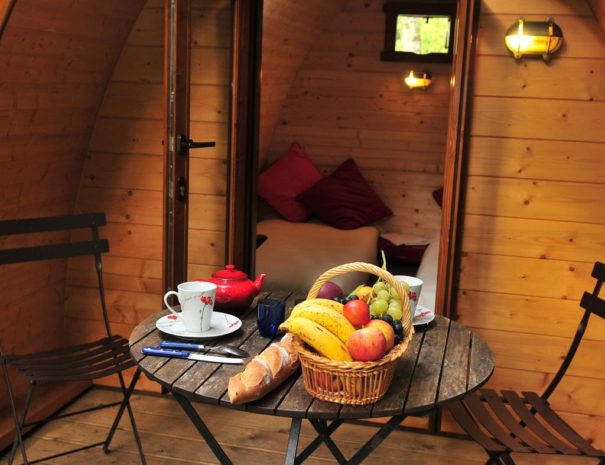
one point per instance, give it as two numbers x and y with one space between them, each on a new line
353 383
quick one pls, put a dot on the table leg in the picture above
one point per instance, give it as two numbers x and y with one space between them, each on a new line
324 435
316 442
215 447
293 441
376 440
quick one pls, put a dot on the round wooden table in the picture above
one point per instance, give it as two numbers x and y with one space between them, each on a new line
444 362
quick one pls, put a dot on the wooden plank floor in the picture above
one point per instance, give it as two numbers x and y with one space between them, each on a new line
169 438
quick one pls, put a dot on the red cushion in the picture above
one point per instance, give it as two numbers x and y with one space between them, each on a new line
344 199
285 179
401 253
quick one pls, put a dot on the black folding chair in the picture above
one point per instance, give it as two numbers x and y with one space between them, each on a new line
84 362
507 422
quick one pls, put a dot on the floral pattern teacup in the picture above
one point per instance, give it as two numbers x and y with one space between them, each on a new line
196 299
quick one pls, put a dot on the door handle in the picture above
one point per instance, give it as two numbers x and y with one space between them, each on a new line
184 144
181 188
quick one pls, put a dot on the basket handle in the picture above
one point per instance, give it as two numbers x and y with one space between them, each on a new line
368 268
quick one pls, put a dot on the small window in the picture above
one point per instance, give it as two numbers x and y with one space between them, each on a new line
422 32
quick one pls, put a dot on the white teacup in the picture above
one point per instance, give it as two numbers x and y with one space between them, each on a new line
196 299
414 292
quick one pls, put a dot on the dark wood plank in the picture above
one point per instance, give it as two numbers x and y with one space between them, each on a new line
454 379
52 223
559 425
418 376
469 424
53 251
481 363
523 434
296 402
173 369
422 395
394 400
149 364
193 378
215 387
477 408
524 413
268 404
144 328
326 410
186 380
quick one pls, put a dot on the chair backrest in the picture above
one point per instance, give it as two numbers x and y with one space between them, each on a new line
94 247
592 304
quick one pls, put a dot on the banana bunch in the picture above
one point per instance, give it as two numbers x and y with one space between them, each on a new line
318 323
336 306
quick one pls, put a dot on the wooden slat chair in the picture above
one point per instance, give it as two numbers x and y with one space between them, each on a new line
85 362
511 422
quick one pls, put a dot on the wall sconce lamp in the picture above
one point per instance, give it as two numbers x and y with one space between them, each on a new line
534 38
416 80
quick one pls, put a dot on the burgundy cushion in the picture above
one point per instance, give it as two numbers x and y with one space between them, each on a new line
285 179
401 253
344 199
438 196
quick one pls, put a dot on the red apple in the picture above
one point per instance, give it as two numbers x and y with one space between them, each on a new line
387 330
357 312
326 382
330 290
367 344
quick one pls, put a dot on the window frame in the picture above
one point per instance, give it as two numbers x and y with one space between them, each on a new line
393 9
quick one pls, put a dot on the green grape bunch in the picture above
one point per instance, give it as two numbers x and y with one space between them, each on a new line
385 304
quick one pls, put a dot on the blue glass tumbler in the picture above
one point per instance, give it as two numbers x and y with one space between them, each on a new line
270 314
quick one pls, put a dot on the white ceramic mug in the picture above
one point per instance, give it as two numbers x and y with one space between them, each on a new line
414 292
196 299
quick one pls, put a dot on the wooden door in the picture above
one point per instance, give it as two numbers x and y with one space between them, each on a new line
209 106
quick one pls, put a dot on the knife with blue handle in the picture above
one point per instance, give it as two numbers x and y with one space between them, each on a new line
147 350
222 349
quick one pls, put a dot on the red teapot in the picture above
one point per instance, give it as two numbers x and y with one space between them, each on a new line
234 291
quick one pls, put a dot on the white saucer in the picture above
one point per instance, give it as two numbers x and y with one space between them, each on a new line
220 325
423 315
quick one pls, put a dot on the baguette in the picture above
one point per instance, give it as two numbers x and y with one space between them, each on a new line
264 372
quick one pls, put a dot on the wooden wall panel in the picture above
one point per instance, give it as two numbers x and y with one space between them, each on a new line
55 61
534 215
123 173
289 30
123 176
345 102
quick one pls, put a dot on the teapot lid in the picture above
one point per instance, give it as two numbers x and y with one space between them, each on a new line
230 273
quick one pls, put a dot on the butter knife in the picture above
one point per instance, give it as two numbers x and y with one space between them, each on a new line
222 349
158 351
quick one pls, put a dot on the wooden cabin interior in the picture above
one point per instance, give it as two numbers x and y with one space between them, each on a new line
82 129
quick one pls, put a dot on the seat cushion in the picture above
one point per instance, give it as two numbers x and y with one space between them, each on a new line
295 254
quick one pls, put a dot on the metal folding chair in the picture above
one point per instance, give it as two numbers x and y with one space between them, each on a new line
85 362
510 422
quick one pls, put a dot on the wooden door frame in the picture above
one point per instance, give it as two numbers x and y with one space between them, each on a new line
4 15
177 32
243 136
467 17
244 131
242 215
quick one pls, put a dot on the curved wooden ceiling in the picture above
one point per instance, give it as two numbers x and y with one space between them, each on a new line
56 57
598 8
